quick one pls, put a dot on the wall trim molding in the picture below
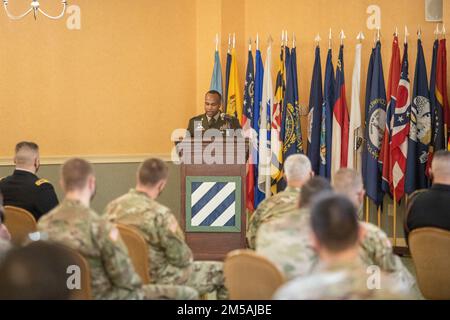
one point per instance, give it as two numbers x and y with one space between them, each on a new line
96 159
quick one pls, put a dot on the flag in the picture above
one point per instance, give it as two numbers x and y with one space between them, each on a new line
375 125
216 79
326 125
298 128
234 101
339 145
437 120
355 134
291 121
366 106
265 155
441 86
419 137
227 79
259 77
315 114
394 78
400 129
276 143
249 96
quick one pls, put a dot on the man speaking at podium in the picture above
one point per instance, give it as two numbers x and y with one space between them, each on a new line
212 118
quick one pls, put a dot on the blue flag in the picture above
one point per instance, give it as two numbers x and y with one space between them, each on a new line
298 128
227 81
326 125
259 79
437 120
419 137
375 126
366 106
315 114
216 80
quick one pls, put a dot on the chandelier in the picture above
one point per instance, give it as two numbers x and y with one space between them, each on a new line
35 8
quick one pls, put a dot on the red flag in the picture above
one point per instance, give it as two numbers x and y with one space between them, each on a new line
441 82
394 78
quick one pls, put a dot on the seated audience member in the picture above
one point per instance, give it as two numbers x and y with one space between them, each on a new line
376 248
5 237
340 274
170 258
431 208
23 188
286 240
36 272
297 171
74 224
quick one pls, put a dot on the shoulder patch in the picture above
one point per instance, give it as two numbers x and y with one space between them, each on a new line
41 181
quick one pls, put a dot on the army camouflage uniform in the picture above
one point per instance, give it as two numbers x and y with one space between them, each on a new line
201 124
170 258
278 205
286 242
342 281
112 273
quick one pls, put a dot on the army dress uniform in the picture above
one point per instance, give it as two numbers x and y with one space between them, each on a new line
203 123
170 258
287 243
112 273
25 190
342 281
278 205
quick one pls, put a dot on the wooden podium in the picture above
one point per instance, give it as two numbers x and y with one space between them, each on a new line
213 211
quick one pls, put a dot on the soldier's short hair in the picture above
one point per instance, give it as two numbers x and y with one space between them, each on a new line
297 167
334 222
27 144
347 181
42 267
152 171
217 93
312 189
75 173
441 163
25 153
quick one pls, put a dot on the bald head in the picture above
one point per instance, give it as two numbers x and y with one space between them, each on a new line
27 156
348 182
440 167
297 170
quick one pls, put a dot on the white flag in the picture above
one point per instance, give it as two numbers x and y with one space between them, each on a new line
354 139
264 173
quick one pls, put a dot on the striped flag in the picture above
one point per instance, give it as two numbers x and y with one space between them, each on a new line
340 119
265 156
355 134
315 114
326 124
276 143
249 96
394 78
400 130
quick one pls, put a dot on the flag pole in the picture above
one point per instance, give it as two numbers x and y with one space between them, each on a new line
317 39
257 41
379 216
294 40
234 40
342 37
395 220
367 209
444 33
229 43
250 44
330 37
217 42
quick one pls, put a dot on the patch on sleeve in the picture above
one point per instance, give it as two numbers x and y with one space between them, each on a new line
41 181
173 224
114 234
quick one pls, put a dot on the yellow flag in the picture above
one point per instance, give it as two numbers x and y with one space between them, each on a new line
234 102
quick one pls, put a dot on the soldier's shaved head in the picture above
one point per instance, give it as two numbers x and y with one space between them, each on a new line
440 167
75 174
297 169
27 155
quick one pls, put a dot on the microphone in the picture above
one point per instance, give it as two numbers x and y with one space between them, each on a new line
225 116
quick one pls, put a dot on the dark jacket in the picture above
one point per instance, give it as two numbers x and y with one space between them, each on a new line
25 190
430 208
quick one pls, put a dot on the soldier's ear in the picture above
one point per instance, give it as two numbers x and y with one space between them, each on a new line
314 242
361 233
